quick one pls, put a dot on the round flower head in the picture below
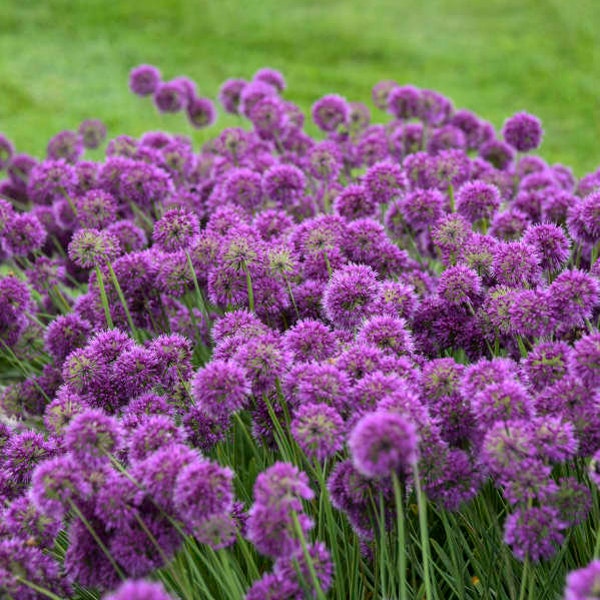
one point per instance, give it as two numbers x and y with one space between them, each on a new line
353 202
268 117
309 340
203 489
325 161
573 296
87 176
272 77
92 434
144 79
388 333
585 360
382 181
19 168
459 285
139 590
516 264
497 153
7 151
590 215
419 209
530 313
350 295
92 132
90 248
445 138
220 388
523 132
170 97
201 112
96 209
330 112
381 91
546 363
130 237
450 234
403 102
477 200
64 334
67 145
534 533
382 444
175 230
229 95
252 93
502 401
243 187
283 184
583 584
318 429
551 244
23 234
397 299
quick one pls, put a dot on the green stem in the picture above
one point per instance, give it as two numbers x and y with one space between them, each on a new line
524 577
401 536
103 298
308 559
199 296
249 288
38 589
422 506
115 282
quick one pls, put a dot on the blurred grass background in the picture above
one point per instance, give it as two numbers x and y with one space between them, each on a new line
65 60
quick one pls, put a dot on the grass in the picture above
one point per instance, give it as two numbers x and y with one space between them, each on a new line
65 60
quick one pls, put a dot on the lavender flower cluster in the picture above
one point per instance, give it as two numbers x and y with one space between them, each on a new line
418 298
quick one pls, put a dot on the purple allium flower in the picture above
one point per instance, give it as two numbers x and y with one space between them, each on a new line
459 285
170 97
523 132
21 453
175 230
530 313
21 518
516 264
153 433
350 295
220 388
92 132
296 569
551 244
397 299
201 112
534 533
64 334
497 153
450 234
383 180
388 333
139 590
404 101
573 296
584 361
446 138
573 500
268 117
7 151
554 438
283 184
502 401
66 145
325 161
96 209
419 209
23 235
318 429
90 248
92 435
330 112
252 93
381 91
477 200
272 586
202 490
353 202
546 363
144 79
271 76
383 443
309 340
243 187
263 360
131 238
56 483
583 584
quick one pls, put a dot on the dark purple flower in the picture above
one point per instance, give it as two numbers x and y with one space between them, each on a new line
583 584
477 200
404 102
139 590
383 181
272 77
318 429
91 248
7 151
170 97
64 334
175 230
92 435
23 235
573 296
330 112
584 361
201 112
551 244
96 209
523 132
92 132
144 79
67 145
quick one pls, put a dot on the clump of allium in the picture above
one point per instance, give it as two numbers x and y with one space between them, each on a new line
144 79
220 388
330 112
350 295
92 248
318 429
523 132
383 444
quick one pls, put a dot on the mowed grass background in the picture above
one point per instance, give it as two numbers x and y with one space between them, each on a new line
62 61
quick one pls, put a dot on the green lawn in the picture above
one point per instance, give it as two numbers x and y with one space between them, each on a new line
65 60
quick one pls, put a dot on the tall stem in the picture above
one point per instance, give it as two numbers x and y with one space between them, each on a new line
422 505
103 298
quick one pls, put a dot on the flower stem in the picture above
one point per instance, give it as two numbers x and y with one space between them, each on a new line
103 298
